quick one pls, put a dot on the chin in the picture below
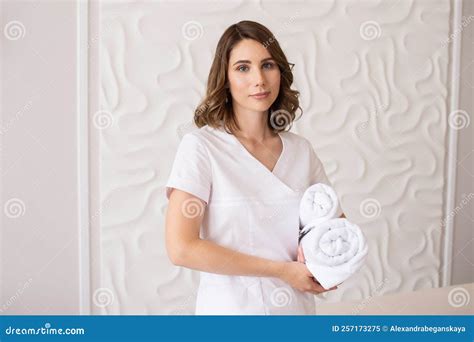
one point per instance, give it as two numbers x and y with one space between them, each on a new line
260 108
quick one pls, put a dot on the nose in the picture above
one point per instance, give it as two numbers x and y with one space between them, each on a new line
259 78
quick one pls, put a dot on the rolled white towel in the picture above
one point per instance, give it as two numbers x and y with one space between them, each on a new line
334 250
319 201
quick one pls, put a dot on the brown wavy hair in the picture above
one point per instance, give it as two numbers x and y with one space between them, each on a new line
216 108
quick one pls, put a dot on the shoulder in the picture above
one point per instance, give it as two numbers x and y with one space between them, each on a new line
209 138
197 136
204 140
192 149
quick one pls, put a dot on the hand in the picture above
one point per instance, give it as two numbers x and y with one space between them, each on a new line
302 259
297 275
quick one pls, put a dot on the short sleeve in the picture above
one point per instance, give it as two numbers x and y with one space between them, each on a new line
191 170
318 175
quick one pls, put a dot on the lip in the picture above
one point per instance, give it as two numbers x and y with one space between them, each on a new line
261 95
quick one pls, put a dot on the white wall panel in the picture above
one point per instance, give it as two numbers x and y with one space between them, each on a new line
43 190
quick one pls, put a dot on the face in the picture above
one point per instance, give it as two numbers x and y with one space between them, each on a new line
252 71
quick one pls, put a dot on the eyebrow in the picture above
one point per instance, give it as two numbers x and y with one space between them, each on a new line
249 62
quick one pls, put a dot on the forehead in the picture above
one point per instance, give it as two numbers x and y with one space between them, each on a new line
248 49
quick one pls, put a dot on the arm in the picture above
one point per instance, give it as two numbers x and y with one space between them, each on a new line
186 248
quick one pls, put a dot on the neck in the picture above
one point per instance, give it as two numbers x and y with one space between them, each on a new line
253 125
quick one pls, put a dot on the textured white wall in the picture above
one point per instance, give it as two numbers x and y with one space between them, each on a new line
373 79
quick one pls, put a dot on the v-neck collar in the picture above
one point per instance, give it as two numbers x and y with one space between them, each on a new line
276 167
258 161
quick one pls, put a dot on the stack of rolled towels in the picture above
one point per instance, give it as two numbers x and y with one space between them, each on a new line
334 248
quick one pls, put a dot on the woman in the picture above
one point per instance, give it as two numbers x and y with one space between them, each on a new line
236 183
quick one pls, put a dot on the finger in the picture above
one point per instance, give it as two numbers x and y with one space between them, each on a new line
330 289
316 292
325 290
318 288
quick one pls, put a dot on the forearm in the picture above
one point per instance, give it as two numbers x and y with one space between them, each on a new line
207 256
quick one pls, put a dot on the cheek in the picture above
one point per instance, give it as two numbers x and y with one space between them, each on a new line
275 80
237 84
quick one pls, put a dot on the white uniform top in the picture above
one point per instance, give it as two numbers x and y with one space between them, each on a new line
249 209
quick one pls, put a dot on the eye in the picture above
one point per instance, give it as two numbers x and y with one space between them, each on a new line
268 65
239 68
